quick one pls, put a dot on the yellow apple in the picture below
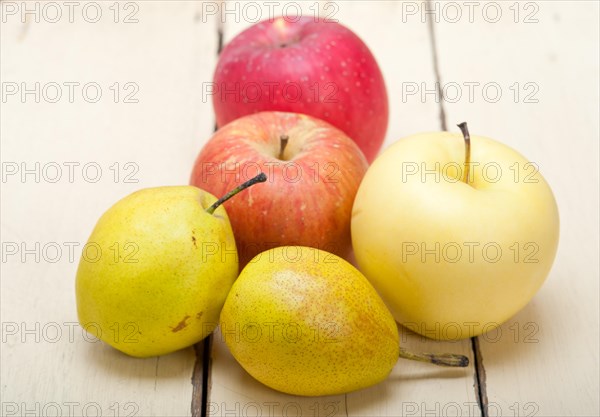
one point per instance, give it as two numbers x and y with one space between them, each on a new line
454 256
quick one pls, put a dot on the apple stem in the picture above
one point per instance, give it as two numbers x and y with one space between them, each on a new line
259 178
465 131
443 359
283 141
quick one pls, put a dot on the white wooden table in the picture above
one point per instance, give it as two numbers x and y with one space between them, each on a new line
149 60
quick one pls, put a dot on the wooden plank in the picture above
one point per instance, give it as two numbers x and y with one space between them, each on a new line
48 362
232 390
404 55
544 361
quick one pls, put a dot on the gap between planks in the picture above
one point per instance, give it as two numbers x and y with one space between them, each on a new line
201 374
480 384
480 381
436 71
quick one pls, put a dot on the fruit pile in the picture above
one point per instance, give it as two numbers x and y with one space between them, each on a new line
452 233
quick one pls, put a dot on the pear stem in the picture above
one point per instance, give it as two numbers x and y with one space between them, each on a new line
443 359
465 131
259 178
283 141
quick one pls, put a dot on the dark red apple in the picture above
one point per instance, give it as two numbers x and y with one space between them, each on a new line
313 172
308 66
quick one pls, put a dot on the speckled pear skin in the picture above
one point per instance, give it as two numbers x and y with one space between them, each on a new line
306 322
162 276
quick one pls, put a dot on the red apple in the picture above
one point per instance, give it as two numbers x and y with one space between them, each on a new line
313 173
308 66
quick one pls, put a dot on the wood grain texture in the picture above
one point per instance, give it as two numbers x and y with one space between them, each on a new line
47 360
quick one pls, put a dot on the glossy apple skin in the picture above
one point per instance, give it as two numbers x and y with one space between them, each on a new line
311 66
307 199
420 233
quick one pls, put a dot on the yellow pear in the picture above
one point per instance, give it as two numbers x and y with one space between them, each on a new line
156 270
306 322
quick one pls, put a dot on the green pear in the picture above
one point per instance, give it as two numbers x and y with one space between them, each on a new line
156 270
306 322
